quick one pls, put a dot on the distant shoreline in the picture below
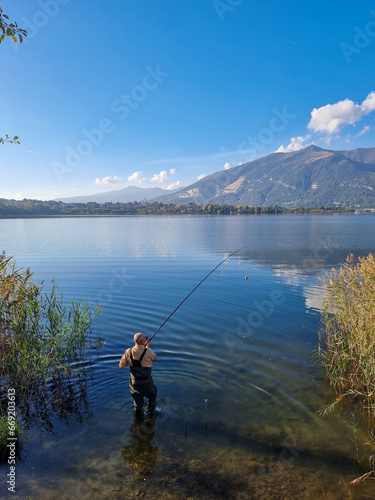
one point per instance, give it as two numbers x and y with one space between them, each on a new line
24 209
85 216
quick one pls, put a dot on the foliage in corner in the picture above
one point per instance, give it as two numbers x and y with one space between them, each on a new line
9 29
10 140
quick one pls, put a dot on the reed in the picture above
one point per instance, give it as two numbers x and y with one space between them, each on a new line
17 434
42 338
347 350
347 336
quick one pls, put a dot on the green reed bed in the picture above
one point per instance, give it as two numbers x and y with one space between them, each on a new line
347 338
41 338
347 341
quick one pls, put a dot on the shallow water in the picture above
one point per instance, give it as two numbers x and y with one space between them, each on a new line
238 391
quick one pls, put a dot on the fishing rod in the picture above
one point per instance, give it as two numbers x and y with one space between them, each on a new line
187 296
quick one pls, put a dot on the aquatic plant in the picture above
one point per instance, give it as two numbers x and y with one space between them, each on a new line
347 344
347 336
44 341
17 433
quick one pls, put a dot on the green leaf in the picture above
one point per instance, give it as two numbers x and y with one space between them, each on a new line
15 39
20 37
9 32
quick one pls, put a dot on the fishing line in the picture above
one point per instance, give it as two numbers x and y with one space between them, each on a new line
187 296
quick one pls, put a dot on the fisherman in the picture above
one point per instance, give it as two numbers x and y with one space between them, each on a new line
141 385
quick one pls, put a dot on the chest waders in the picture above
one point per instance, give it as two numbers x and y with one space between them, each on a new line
138 372
141 384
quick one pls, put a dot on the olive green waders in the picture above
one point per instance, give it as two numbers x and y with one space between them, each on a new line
141 384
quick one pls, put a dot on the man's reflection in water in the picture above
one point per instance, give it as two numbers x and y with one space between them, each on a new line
140 456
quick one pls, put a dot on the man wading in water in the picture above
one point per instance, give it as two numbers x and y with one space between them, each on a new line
140 359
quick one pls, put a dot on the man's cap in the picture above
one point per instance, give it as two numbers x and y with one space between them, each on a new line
137 336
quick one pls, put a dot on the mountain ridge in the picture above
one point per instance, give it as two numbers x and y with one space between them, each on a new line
125 195
312 176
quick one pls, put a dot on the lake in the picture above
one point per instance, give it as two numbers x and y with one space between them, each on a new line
238 389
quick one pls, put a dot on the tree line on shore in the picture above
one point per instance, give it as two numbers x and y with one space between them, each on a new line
27 207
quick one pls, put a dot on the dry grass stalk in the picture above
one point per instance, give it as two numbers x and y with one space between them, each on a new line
362 478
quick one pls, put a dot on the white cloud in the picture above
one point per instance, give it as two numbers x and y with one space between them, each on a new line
175 185
161 177
200 177
226 165
139 179
108 180
136 177
333 117
368 104
364 131
296 143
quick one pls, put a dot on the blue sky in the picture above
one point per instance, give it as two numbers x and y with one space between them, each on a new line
110 93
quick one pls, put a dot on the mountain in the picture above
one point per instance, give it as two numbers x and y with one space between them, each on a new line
362 155
131 193
309 177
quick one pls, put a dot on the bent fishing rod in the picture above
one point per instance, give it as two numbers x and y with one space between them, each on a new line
193 290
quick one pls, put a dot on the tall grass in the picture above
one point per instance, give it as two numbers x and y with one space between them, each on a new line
43 341
17 434
347 337
347 349
39 334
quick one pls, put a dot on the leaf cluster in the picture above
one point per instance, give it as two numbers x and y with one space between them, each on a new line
8 139
10 29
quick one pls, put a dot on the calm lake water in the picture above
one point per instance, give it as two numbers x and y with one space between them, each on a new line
238 390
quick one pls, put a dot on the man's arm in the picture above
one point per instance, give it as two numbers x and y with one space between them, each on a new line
147 346
124 360
154 357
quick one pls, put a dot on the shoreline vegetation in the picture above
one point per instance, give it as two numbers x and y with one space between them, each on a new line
45 345
347 350
35 208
